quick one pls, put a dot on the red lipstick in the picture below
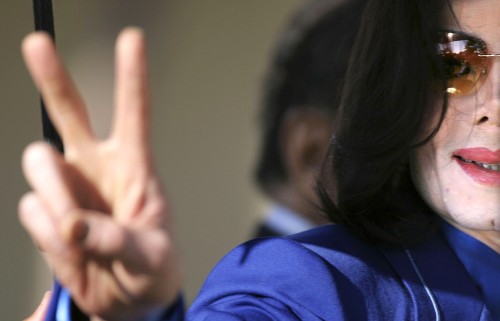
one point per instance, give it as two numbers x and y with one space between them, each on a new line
481 164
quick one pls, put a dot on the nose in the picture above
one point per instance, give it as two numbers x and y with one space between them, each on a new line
490 111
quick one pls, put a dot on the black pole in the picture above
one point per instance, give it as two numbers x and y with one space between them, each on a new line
44 21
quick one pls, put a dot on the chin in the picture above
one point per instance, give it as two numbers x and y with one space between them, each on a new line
474 217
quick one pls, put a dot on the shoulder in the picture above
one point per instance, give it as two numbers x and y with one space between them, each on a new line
321 274
307 255
328 274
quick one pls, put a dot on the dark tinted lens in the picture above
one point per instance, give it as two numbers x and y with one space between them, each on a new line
462 64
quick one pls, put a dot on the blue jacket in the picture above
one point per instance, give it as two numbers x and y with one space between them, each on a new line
328 274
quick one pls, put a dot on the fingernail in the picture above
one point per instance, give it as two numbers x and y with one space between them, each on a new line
80 231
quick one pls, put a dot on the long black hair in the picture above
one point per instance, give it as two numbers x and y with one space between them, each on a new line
388 102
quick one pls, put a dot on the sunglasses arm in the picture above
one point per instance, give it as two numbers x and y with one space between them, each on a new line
489 55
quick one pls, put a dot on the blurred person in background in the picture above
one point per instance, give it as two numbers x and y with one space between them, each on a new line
300 95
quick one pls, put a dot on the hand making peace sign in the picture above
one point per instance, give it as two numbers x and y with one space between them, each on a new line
99 213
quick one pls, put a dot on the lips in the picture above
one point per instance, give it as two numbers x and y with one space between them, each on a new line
481 164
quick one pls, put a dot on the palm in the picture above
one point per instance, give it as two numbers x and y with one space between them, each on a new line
100 214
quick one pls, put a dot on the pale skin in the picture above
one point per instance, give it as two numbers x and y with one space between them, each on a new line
99 213
472 121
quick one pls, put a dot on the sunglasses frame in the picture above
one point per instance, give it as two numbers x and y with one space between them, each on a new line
480 50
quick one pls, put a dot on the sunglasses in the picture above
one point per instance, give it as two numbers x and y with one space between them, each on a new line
464 60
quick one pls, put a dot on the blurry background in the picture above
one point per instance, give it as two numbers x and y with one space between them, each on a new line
207 59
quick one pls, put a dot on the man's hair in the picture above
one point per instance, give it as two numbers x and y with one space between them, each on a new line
389 100
306 71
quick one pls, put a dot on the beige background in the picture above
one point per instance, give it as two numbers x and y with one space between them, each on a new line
207 61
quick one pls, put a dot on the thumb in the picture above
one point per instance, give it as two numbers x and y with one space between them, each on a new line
41 310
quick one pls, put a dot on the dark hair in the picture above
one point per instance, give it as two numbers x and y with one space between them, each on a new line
307 71
387 104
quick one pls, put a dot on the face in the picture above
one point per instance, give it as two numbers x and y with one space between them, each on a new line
458 171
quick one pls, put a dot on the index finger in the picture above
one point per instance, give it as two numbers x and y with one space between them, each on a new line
63 102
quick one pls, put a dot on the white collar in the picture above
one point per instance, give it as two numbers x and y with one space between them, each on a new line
285 221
